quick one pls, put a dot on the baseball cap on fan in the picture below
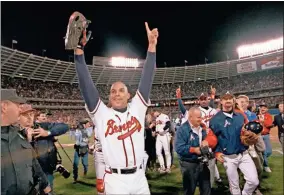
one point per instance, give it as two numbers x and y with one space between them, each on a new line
227 96
262 104
26 108
11 95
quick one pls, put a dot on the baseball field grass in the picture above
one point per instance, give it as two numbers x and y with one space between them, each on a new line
168 184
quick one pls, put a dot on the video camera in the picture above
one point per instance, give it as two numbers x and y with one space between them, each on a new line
206 155
61 169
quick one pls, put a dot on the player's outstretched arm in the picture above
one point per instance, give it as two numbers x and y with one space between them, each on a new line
87 87
180 104
150 63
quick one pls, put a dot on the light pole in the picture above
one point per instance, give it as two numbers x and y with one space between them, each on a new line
43 51
14 42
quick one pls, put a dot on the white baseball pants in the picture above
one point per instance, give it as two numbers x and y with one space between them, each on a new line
163 142
246 165
135 183
100 169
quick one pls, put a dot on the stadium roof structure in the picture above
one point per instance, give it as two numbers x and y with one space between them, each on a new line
16 63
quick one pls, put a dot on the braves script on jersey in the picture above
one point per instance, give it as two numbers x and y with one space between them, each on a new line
161 121
121 134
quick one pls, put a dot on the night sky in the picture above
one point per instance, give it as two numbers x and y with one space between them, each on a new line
188 30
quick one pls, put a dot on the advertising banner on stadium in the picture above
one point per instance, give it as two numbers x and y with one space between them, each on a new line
271 62
246 67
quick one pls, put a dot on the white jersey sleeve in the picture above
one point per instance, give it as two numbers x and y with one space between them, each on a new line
139 103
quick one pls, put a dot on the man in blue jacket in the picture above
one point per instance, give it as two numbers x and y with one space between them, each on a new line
227 125
189 138
44 137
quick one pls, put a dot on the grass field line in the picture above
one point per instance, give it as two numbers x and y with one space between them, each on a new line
279 151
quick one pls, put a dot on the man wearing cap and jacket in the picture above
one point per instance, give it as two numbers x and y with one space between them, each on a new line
82 135
20 170
227 125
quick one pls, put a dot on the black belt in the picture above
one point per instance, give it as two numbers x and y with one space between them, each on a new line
126 171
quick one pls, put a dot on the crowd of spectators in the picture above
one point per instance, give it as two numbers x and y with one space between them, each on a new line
53 90
262 84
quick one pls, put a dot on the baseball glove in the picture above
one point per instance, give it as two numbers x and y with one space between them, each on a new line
248 138
76 36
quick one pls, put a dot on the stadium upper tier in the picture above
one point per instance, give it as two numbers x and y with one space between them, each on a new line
20 64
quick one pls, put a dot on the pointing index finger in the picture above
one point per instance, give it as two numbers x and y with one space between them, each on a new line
147 27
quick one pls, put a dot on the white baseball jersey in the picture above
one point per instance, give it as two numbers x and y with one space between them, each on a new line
98 145
121 134
207 114
161 121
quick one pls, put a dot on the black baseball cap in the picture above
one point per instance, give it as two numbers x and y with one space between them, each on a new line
11 95
263 104
84 121
227 96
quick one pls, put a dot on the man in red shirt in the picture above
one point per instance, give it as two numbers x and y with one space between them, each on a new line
267 122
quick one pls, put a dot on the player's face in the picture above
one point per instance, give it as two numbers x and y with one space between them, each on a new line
42 118
27 119
203 101
11 111
87 125
156 114
119 95
281 108
243 103
227 104
195 118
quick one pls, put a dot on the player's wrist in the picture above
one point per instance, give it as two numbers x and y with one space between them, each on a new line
152 48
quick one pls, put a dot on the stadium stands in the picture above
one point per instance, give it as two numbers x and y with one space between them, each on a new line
52 84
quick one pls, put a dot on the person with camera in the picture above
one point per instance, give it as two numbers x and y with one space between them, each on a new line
21 173
192 144
44 144
82 135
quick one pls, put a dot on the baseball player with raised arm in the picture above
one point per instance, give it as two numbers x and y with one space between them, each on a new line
207 113
163 139
228 126
121 127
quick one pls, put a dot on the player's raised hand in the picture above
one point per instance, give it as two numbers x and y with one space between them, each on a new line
152 35
213 90
178 93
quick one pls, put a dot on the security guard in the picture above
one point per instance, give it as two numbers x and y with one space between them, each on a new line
20 171
82 135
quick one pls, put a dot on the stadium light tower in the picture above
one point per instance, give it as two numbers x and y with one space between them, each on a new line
124 62
260 48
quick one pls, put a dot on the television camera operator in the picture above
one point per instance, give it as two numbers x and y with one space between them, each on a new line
21 173
192 143
82 135
44 143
